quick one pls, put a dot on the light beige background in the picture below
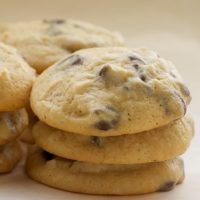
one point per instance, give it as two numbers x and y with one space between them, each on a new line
171 27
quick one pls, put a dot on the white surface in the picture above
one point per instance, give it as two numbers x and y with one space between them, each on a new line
170 27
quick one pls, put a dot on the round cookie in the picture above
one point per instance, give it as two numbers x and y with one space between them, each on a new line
156 145
16 78
104 179
109 92
43 43
12 124
10 155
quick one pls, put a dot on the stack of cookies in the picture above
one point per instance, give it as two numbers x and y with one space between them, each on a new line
16 79
112 121
42 43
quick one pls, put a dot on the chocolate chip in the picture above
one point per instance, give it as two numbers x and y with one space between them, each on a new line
143 77
72 60
104 70
183 102
54 21
167 186
106 125
136 58
97 141
76 60
172 74
47 156
136 66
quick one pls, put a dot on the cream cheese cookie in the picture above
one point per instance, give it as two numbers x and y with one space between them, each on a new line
109 92
12 124
42 43
16 78
10 155
104 179
151 146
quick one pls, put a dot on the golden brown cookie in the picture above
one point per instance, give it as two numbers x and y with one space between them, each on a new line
104 179
109 92
159 144
42 43
16 78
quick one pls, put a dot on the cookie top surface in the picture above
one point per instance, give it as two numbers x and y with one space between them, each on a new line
110 91
43 43
16 78
155 145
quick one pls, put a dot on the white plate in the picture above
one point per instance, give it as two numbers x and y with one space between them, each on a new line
171 27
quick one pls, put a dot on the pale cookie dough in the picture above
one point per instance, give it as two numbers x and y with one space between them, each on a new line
12 124
10 155
104 179
16 78
156 145
110 91
42 43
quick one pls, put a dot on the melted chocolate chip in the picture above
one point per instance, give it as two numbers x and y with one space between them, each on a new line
136 58
54 21
143 77
76 60
97 141
47 156
136 66
104 70
167 186
106 125
72 60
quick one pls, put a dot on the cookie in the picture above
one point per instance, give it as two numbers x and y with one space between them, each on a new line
16 78
105 179
26 135
12 124
42 43
109 92
10 155
151 146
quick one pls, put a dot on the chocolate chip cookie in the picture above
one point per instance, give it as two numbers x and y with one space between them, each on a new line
103 179
110 91
42 43
16 78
